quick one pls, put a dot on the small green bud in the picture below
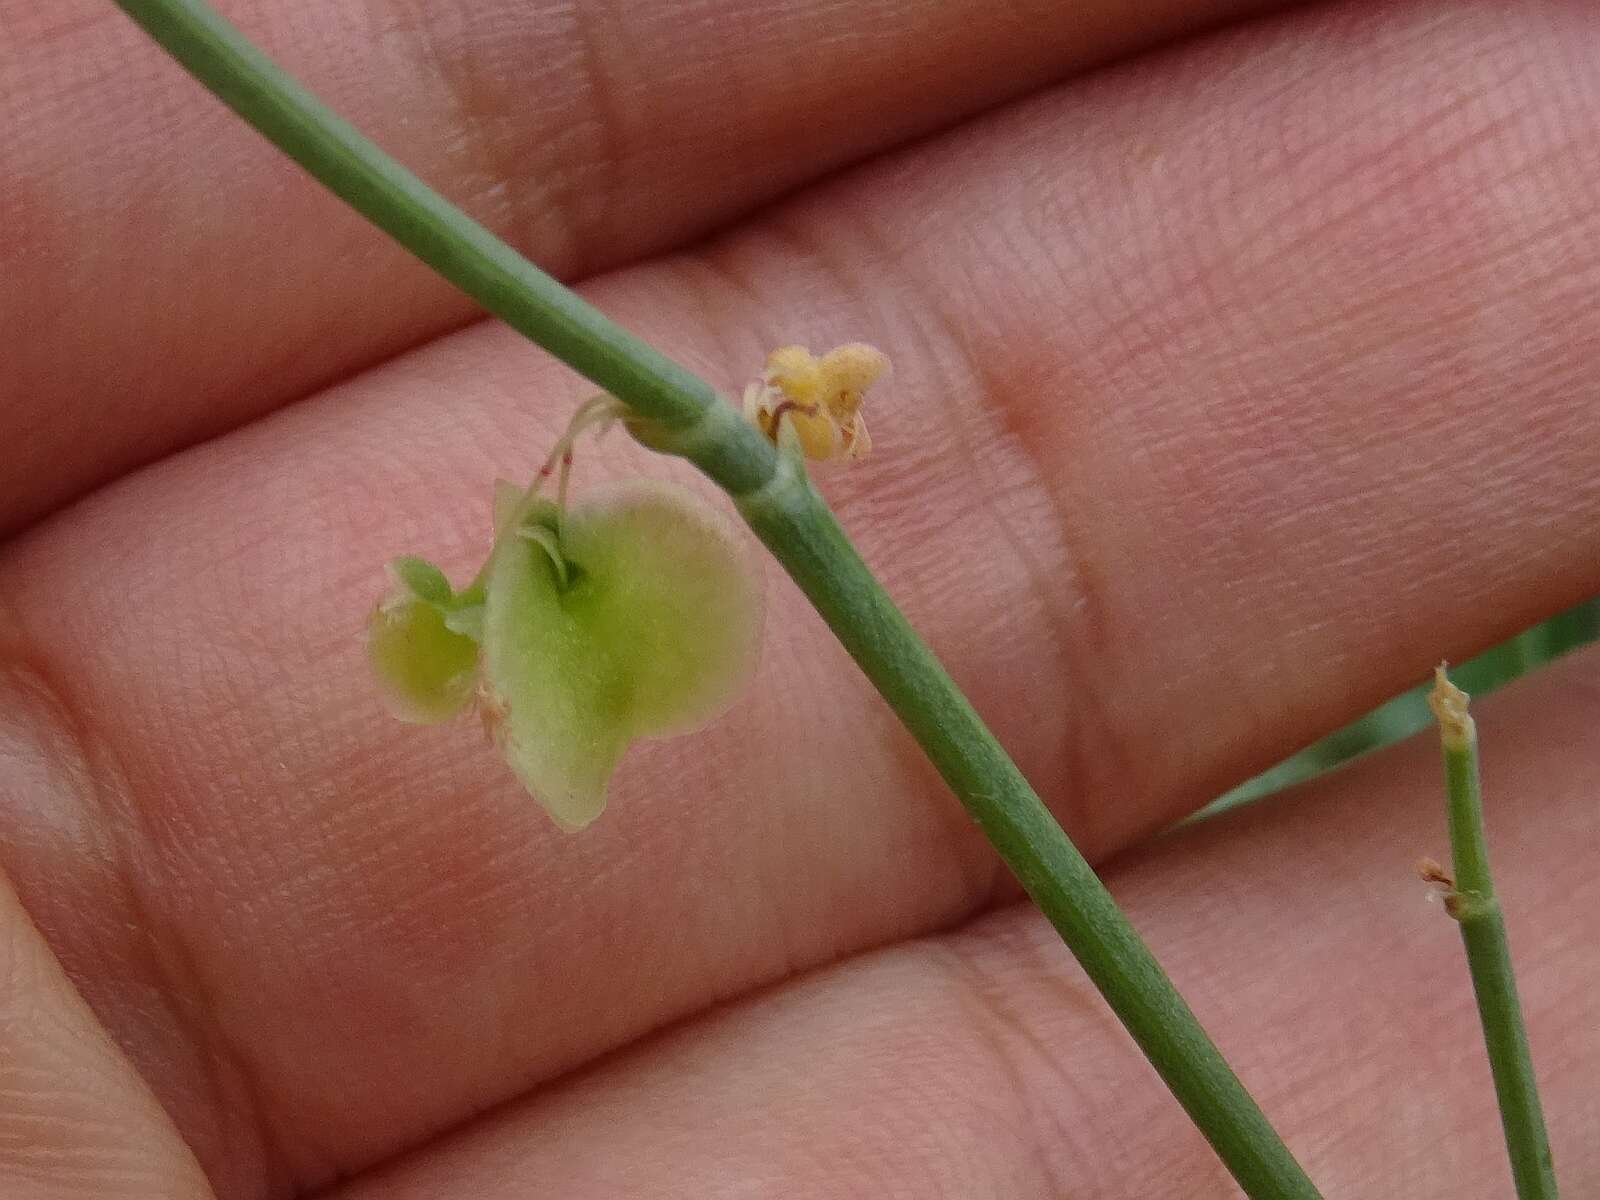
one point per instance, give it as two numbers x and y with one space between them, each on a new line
425 671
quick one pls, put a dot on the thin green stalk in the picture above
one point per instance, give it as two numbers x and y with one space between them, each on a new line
1474 905
775 496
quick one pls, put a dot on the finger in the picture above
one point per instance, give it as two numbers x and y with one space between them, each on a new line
166 276
76 1121
418 909
982 1064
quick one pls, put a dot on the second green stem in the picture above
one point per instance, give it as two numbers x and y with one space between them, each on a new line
1474 905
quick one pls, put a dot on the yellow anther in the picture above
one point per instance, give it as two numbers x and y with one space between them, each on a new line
795 372
848 371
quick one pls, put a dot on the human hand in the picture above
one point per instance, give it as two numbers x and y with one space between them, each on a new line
1236 385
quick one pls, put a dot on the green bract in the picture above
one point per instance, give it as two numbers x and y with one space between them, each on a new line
636 613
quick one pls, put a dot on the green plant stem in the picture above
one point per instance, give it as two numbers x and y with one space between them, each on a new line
1476 908
792 520
686 417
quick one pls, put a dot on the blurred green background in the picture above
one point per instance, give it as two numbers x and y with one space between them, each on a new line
1408 712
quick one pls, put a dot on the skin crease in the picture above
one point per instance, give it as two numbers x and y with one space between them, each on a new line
1235 385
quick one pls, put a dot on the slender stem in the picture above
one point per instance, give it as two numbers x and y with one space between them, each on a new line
681 414
1474 905
790 517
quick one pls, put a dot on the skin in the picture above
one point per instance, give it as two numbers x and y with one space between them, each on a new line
1236 384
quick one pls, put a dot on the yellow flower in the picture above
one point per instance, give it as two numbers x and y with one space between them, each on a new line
818 399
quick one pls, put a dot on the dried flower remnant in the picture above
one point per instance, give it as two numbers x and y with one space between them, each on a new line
1449 705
